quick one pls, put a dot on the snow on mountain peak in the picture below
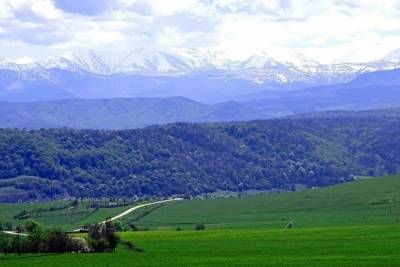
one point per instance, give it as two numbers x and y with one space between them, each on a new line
394 55
89 61
276 66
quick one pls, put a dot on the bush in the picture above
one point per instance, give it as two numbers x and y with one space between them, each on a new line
32 226
98 245
290 225
36 242
58 242
129 245
103 237
199 227
5 246
8 226
22 215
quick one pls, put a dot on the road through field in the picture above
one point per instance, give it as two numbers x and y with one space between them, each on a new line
133 209
115 217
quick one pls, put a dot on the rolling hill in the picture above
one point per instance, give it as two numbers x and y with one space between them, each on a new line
191 159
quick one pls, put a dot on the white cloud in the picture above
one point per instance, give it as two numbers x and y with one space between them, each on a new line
324 29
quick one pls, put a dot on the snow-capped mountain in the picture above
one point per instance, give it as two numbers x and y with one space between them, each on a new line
152 62
83 60
263 68
9 64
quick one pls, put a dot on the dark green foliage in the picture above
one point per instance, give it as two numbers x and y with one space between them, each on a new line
5 246
190 159
199 227
103 237
42 241
7 226
32 226
22 215
290 225
36 241
129 245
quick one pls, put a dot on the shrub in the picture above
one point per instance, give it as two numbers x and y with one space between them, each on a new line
5 246
58 242
22 215
103 237
199 227
32 226
129 245
290 225
36 242
8 226
98 245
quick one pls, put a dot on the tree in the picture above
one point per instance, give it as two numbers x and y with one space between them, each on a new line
36 242
199 227
5 246
32 226
8 226
111 235
58 241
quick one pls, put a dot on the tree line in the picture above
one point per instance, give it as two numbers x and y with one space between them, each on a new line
37 239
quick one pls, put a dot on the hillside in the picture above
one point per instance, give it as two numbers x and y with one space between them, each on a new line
367 201
371 201
235 101
190 159
360 94
124 113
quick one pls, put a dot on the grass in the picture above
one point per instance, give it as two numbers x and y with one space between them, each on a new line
333 246
363 202
343 225
65 219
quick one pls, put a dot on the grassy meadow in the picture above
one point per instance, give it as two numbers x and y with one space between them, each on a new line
352 224
363 202
332 246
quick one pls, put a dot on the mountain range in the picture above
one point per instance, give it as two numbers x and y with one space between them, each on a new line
376 90
193 73
141 88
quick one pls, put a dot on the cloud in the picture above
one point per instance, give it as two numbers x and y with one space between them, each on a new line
85 7
190 23
142 7
324 29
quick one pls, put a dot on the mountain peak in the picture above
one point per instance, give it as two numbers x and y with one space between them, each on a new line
394 55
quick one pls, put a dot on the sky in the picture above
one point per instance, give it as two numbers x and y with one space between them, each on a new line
324 30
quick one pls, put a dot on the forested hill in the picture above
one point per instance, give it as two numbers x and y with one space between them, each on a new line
189 159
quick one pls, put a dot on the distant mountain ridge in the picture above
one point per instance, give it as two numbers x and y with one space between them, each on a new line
118 113
262 68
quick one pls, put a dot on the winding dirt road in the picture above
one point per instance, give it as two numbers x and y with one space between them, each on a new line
113 218
133 209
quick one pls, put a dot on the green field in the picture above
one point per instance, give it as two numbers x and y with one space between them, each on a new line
343 246
353 224
363 202
65 219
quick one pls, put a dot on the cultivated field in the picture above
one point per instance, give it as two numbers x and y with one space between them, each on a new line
354 224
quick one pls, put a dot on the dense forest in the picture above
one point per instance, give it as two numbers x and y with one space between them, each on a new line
189 159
